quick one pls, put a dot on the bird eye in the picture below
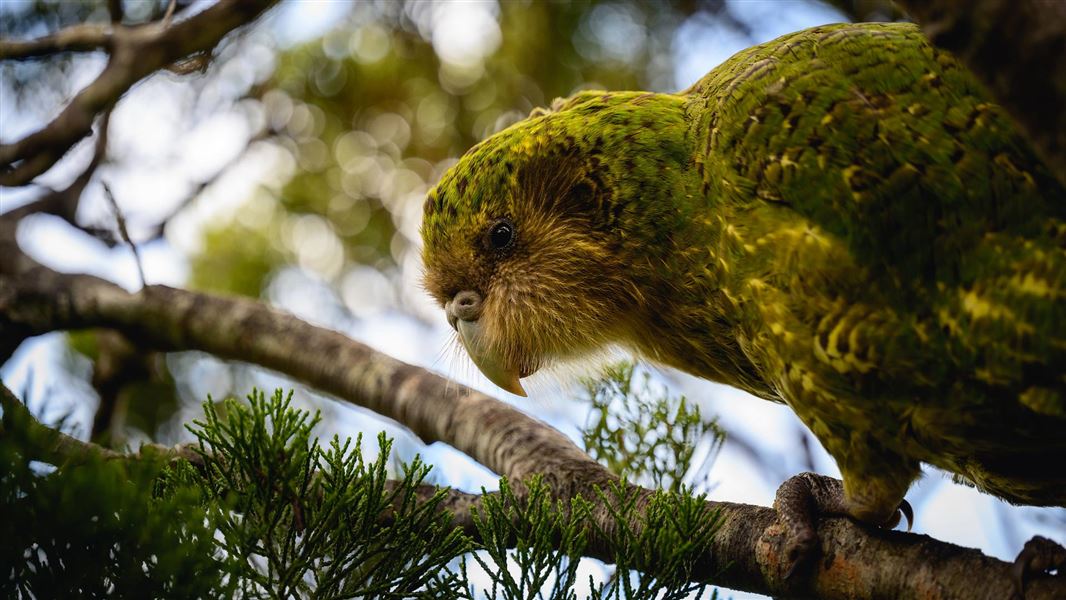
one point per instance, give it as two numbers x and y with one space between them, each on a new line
501 234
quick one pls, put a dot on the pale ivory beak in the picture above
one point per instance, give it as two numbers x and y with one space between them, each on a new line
491 365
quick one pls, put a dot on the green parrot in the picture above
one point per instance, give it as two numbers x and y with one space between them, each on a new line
841 220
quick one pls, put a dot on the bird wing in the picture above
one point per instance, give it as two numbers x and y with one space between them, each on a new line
890 149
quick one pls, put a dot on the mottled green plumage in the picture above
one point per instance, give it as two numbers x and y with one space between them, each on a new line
840 219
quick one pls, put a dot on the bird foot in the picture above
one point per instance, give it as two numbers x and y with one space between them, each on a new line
800 501
1038 557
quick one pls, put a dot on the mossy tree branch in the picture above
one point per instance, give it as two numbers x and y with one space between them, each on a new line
58 448
745 555
54 447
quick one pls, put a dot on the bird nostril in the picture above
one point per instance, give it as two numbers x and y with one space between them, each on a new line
466 305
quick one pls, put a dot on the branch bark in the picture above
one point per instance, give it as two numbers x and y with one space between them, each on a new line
136 52
855 562
1018 48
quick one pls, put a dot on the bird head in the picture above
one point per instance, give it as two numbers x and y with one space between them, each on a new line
529 241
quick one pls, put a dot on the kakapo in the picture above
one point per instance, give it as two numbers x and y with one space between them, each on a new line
841 219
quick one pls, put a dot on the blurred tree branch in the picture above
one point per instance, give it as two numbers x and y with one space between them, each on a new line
118 362
115 9
135 52
745 554
64 203
58 448
1018 48
83 37
123 374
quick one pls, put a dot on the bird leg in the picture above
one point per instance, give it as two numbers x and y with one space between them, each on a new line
1039 556
802 499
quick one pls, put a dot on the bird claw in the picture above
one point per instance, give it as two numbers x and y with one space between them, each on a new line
908 513
1039 556
798 550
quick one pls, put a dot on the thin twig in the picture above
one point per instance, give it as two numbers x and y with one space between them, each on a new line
120 220
170 13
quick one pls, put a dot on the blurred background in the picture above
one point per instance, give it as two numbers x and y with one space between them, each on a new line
293 168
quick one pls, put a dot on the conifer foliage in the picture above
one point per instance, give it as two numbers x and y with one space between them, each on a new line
266 511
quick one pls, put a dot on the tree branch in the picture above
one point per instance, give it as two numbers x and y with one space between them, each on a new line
58 448
856 562
136 52
64 203
459 504
1018 49
83 37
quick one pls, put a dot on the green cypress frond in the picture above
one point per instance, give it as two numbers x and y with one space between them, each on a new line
642 433
312 522
532 544
670 538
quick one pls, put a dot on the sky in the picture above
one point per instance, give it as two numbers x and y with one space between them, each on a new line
175 135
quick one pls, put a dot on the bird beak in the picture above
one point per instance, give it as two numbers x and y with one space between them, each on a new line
491 364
